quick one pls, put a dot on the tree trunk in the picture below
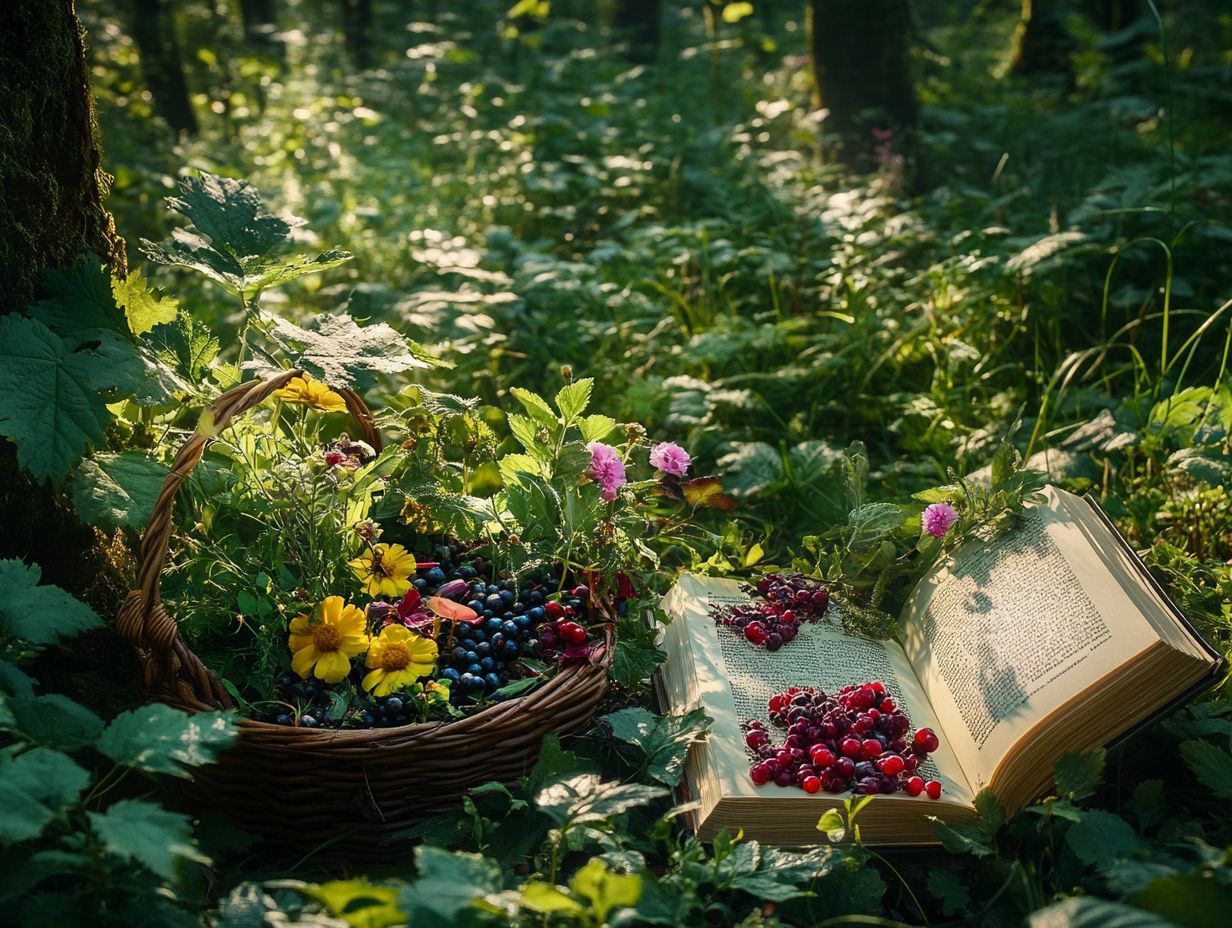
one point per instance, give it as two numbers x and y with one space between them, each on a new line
357 29
260 21
51 179
862 68
161 65
1042 44
639 23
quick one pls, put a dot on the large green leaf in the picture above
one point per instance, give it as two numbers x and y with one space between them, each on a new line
160 739
447 884
335 349
588 798
1088 912
361 903
750 467
662 740
143 308
1210 764
79 301
39 615
148 834
1079 774
635 661
116 490
55 720
236 238
34 787
51 402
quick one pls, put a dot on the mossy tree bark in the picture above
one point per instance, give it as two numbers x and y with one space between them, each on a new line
162 66
51 178
862 65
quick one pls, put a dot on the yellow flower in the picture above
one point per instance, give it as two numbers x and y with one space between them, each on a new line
328 644
385 570
397 659
304 391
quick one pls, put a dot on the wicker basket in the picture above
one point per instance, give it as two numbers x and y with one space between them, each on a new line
348 789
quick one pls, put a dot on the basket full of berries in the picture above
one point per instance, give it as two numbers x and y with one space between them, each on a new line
374 684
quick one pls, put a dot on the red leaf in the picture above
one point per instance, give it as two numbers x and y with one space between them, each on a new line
707 491
454 612
410 603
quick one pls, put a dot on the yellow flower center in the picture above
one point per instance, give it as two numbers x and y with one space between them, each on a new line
326 637
395 657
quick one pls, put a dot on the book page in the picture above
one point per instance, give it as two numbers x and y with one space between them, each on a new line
715 668
1011 629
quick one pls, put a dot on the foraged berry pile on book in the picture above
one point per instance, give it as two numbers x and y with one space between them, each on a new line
856 741
771 622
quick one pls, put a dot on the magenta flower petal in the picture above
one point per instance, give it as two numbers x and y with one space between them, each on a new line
606 468
670 458
938 519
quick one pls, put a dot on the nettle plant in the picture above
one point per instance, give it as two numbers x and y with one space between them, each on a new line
65 837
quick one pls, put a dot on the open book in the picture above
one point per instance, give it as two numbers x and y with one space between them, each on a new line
1052 638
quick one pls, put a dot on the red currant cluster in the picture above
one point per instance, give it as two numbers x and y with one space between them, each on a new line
856 740
559 633
788 600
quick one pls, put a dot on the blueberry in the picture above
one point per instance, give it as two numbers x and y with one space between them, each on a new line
522 621
487 664
283 719
467 572
483 649
493 681
287 679
476 669
451 674
518 608
394 704
368 718
536 613
510 650
507 597
495 603
475 605
468 643
493 625
307 721
479 635
420 584
472 681
534 597
492 588
459 653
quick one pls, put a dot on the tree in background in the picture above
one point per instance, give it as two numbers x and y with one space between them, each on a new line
639 22
153 29
862 67
1042 44
260 20
51 179
357 30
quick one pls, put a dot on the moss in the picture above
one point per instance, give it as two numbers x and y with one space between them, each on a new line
51 179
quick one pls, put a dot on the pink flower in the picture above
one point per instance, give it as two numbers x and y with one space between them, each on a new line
670 458
334 458
938 519
606 468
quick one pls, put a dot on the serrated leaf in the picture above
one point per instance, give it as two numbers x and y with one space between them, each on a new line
750 467
1100 837
572 399
782 875
1195 900
663 741
236 238
336 350
118 490
588 798
50 402
1088 912
527 434
595 427
536 407
948 889
160 739
35 786
1211 765
186 345
604 889
1079 774
39 615
148 834
361 903
1148 804
634 662
79 303
448 883
56 721
143 308
872 523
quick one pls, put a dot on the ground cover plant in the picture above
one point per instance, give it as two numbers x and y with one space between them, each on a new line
502 202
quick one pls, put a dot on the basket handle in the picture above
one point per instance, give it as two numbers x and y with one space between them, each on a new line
171 669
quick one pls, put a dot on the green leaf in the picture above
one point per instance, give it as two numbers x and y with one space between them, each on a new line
1079 774
588 798
39 615
734 12
35 786
1088 912
159 739
750 467
964 839
1195 900
540 897
783 875
663 740
595 427
50 402
15 681
832 825
360 903
1211 765
56 721
1148 804
235 239
949 890
337 351
572 399
604 889
527 434
1100 837
143 308
148 834
855 474
872 523
187 345
118 490
79 304
1004 463
537 408
634 662
447 884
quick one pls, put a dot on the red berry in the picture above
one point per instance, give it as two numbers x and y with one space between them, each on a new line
784 777
572 632
926 740
553 610
851 747
756 633
756 738
810 784
878 687
761 774
888 705
914 786
822 756
891 765
845 768
871 748
933 788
